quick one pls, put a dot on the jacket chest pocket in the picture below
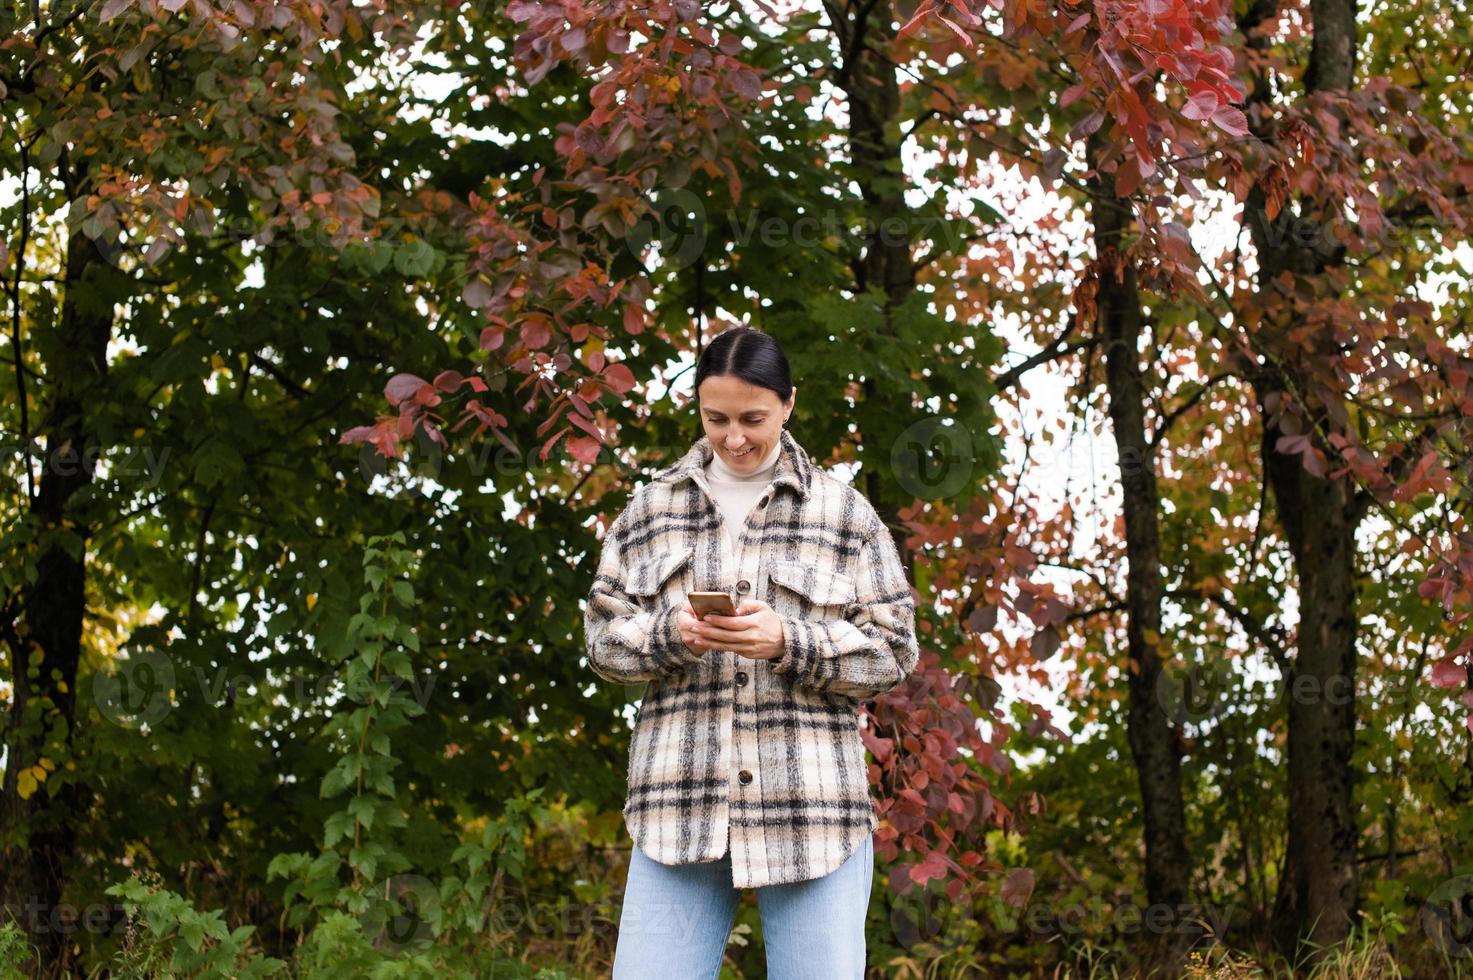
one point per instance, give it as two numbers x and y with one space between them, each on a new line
657 582
801 590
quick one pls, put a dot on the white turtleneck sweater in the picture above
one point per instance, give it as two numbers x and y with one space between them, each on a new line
735 492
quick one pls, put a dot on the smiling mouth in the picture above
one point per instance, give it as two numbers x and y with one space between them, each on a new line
741 454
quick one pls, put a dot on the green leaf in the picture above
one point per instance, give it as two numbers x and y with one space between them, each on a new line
414 259
194 934
335 781
216 462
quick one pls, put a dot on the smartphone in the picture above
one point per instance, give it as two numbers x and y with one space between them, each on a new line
711 602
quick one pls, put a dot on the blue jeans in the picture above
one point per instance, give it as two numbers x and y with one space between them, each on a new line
676 919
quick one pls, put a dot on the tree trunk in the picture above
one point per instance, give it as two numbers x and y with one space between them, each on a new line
1153 744
1316 898
45 630
868 80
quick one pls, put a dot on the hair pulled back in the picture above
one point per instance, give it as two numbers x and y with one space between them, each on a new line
751 355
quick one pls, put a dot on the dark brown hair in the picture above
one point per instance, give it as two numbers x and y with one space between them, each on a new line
751 355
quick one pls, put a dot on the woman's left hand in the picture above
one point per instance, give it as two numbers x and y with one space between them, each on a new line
755 632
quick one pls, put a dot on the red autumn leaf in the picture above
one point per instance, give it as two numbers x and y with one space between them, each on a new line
1291 445
587 426
1448 673
584 449
1177 243
956 29
381 434
1071 94
1201 105
402 386
1230 119
915 21
633 319
547 446
1087 125
535 333
502 438
934 866
551 420
1127 179
982 619
477 292
883 748
747 84
1045 643
619 379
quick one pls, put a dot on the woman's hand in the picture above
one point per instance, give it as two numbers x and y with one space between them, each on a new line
689 623
755 632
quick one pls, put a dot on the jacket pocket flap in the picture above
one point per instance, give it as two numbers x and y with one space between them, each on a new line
832 589
649 576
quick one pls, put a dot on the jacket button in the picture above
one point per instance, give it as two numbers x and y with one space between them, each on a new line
741 678
744 586
744 776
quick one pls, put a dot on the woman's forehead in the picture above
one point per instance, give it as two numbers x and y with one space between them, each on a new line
730 395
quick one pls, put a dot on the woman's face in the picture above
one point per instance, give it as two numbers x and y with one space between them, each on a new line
742 420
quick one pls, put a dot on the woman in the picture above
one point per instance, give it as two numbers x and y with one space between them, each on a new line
746 769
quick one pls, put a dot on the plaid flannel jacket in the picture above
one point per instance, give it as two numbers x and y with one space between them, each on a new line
762 756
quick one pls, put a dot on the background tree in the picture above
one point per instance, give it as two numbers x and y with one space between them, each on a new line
510 246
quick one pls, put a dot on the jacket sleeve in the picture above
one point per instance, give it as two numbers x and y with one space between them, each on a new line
873 648
625 642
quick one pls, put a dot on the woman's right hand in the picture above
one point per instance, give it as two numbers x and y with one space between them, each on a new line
687 620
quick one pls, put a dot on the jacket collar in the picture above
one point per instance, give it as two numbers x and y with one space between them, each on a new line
793 467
